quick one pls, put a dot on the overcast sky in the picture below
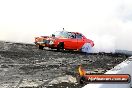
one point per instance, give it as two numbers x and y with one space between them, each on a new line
107 22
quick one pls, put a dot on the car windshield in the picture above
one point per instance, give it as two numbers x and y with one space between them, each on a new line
64 34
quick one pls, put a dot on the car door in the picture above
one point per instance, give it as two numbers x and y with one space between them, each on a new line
80 41
71 42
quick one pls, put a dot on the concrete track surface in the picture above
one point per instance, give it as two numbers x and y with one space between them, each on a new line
25 66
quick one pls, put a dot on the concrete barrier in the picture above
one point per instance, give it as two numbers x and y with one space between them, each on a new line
124 68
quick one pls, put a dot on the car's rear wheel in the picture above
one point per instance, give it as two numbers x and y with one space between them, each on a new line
60 46
87 48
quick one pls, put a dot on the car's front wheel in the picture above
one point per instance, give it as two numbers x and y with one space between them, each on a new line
60 46
41 47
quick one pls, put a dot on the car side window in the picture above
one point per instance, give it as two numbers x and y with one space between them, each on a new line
79 36
72 36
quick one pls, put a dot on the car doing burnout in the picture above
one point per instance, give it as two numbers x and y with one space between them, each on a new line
63 40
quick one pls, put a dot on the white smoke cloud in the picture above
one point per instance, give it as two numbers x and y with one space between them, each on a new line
103 43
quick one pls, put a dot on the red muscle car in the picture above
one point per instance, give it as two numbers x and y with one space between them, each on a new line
63 40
